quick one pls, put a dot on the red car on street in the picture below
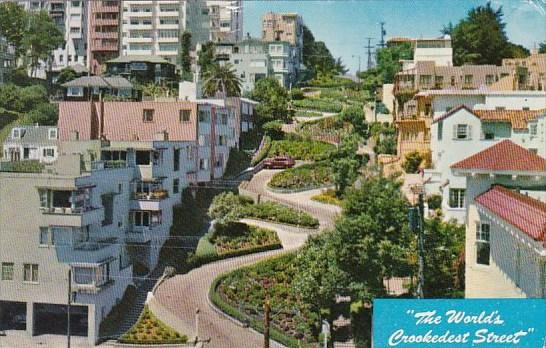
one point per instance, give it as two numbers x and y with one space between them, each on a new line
279 162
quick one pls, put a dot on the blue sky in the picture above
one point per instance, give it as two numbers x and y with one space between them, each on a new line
344 24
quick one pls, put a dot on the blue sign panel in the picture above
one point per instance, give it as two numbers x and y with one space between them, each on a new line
498 323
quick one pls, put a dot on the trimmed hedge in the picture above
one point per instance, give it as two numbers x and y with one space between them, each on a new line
307 150
195 260
262 153
324 105
150 330
308 176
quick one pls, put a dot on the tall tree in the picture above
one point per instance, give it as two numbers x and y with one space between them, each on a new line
316 56
273 100
41 39
185 59
480 37
206 56
13 22
542 47
221 79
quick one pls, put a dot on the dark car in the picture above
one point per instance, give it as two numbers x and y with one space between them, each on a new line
279 162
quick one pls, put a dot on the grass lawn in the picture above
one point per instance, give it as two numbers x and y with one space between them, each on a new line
241 294
307 176
307 150
150 330
278 213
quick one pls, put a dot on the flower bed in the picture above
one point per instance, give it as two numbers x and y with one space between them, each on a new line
150 330
327 197
241 294
308 176
278 213
307 150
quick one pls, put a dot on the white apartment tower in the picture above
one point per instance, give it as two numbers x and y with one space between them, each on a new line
155 27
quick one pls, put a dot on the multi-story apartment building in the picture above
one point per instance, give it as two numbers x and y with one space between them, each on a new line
225 20
72 18
505 247
7 60
249 58
31 143
66 219
103 36
154 28
286 30
105 203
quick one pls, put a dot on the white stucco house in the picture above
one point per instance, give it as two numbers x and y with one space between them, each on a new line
505 222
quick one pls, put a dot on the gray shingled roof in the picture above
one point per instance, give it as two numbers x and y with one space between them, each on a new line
99 81
36 135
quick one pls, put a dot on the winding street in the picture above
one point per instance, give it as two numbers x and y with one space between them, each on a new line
176 299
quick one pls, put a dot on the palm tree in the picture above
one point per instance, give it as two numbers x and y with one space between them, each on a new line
221 79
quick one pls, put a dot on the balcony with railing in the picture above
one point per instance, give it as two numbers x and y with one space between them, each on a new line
69 207
92 278
143 225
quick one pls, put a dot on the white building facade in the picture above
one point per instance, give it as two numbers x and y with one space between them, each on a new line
31 143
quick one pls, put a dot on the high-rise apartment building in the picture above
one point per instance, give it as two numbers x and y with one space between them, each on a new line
104 26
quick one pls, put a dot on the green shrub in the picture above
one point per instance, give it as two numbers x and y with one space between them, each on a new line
263 152
187 217
273 129
434 201
361 324
412 162
238 161
303 177
296 94
308 150
28 166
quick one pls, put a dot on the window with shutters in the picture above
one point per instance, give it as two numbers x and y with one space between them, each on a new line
461 132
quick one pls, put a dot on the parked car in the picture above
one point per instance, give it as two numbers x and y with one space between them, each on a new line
279 162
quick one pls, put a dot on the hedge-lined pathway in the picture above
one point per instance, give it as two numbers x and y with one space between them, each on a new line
182 294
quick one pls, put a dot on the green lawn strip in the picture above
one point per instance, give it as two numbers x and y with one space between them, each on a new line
305 177
279 291
319 104
307 113
150 330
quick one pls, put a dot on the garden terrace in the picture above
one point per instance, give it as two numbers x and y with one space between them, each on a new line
307 150
305 177
241 294
150 330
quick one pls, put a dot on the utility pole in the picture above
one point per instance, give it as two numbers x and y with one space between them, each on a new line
416 219
369 48
383 33
420 288
267 311
68 307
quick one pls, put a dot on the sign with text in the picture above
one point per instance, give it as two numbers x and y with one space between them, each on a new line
483 323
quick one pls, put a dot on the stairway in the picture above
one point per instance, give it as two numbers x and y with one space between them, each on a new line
144 285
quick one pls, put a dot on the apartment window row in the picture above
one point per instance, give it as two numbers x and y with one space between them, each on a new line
30 272
169 34
483 249
142 218
106 15
141 22
168 47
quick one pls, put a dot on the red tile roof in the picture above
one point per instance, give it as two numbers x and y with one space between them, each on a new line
123 121
523 212
504 156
